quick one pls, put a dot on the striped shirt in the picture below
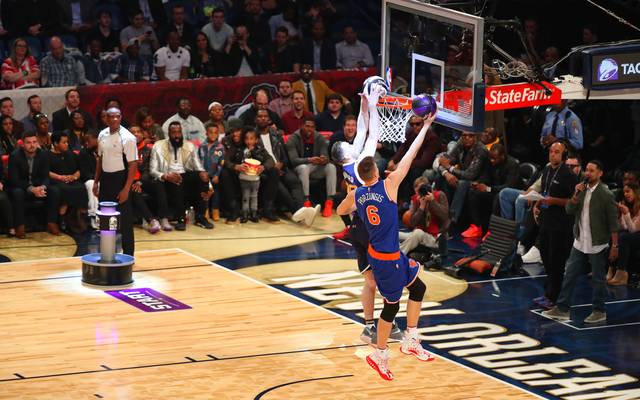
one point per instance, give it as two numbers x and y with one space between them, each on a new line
57 73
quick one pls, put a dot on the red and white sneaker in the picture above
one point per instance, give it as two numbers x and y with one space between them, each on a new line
412 347
379 360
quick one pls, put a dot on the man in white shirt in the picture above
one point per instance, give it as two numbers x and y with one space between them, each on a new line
172 61
595 226
218 31
115 171
192 128
352 53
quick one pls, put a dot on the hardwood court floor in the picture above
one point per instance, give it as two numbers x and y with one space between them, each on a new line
240 340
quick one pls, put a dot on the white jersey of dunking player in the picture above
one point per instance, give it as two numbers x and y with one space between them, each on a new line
361 148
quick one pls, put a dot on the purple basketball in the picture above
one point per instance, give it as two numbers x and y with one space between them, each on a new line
423 105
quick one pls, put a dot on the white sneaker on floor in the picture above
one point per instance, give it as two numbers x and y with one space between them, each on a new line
154 226
166 226
379 360
532 256
310 214
412 347
299 215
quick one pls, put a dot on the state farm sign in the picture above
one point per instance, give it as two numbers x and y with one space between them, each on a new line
520 95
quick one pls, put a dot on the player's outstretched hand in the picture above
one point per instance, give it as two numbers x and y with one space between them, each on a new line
375 92
428 119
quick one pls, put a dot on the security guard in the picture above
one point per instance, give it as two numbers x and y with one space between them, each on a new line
562 123
115 171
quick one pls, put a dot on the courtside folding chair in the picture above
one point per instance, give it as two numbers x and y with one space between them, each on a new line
496 246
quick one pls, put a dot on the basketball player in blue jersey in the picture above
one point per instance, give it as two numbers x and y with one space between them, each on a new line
376 204
350 155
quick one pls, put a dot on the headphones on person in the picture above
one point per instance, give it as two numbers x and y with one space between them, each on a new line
565 146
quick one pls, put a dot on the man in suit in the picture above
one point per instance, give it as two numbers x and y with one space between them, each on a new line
316 90
309 156
318 51
29 181
179 24
61 120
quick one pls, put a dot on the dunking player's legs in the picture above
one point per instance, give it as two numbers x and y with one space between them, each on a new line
411 344
368 295
385 322
414 305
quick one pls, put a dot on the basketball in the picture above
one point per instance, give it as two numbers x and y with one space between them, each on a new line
406 219
423 105
366 85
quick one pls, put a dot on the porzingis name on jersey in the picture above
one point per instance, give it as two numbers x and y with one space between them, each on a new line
370 196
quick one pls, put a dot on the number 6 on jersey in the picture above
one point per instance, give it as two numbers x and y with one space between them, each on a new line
372 215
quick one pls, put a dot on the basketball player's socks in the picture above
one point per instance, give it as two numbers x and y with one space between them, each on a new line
369 323
383 353
412 332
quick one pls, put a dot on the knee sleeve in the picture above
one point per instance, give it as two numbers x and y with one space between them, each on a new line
389 311
416 290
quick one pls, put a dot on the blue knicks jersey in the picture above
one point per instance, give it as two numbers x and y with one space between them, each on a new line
350 176
380 215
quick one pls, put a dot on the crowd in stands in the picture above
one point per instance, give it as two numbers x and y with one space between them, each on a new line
57 43
271 159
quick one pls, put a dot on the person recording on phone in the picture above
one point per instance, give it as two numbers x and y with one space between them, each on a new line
428 217
143 33
595 228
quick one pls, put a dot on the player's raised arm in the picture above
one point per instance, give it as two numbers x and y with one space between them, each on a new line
362 126
348 205
395 178
371 143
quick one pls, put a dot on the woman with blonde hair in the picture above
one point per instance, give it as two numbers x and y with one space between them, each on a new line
629 236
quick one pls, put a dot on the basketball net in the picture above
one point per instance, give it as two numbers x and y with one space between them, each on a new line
394 113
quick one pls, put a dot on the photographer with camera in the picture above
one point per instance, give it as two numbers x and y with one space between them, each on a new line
428 217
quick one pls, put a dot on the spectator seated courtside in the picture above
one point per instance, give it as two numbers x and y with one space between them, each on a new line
29 182
309 156
175 162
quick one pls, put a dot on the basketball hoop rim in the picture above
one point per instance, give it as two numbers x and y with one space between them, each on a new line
401 102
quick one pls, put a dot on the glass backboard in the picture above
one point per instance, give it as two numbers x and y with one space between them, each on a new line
434 50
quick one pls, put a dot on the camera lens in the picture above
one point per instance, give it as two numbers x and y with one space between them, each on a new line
423 190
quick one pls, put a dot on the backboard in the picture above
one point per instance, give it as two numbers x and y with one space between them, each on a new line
434 50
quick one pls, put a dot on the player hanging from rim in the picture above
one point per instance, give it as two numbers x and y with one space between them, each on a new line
349 156
376 204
